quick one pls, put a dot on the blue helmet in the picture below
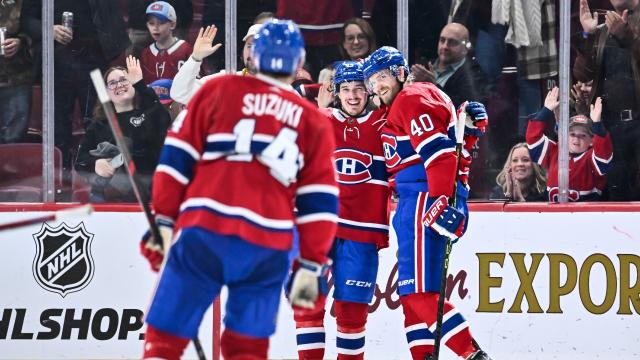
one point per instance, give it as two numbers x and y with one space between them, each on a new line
347 71
278 47
386 57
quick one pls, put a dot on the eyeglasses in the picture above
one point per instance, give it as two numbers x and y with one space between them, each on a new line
113 84
352 38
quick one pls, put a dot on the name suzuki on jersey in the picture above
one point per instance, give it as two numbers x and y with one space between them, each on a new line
274 105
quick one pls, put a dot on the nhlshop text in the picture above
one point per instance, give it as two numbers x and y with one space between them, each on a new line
72 324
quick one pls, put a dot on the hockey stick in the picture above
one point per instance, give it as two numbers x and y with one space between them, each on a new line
448 243
109 110
60 215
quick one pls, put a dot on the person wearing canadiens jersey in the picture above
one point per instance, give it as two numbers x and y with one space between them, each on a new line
363 220
419 142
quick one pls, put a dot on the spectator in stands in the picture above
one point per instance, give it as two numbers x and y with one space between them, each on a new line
16 75
321 23
138 33
610 56
590 150
98 36
357 39
164 57
186 82
521 179
213 13
144 123
458 74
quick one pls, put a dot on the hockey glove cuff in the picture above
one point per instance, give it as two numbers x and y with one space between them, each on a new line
477 118
308 286
154 249
444 219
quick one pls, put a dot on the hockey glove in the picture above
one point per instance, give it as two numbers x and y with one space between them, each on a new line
477 118
444 219
308 286
154 249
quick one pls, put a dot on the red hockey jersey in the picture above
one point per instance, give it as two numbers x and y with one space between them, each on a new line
587 171
163 64
319 20
419 138
234 161
362 177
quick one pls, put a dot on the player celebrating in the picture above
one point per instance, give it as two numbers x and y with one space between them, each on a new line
228 174
419 144
362 227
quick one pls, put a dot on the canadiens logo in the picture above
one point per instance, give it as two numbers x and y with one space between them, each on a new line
390 147
353 166
137 121
554 194
63 262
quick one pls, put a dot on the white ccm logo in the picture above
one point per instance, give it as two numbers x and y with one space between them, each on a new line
358 283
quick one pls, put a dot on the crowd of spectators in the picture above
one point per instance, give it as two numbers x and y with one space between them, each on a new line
499 52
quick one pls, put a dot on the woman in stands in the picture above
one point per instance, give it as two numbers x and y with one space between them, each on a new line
357 39
144 123
521 179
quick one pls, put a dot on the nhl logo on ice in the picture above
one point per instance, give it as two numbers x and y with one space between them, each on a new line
63 262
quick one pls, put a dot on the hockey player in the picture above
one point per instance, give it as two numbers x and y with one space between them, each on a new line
419 148
228 175
590 149
363 223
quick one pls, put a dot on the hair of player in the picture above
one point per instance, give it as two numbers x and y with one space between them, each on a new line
539 180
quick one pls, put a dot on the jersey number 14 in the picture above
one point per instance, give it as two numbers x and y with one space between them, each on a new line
282 155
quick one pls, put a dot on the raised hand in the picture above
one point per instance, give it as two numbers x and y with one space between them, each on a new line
325 95
203 46
134 71
589 21
617 24
596 110
552 101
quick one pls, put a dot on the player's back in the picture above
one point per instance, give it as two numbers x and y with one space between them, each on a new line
260 143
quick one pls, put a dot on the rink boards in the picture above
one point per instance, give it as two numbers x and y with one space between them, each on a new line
533 281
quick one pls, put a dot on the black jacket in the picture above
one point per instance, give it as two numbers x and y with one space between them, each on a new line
468 83
145 127
109 27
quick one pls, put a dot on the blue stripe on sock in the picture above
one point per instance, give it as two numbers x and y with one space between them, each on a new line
351 344
310 338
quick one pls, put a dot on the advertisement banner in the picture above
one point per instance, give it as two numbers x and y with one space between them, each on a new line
76 289
531 285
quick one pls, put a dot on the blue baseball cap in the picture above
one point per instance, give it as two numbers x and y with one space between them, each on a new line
162 10
162 87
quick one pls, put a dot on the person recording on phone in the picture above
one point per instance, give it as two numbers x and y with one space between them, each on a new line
454 71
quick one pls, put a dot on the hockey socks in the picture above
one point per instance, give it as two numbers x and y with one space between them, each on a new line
162 345
351 318
235 346
310 335
421 310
